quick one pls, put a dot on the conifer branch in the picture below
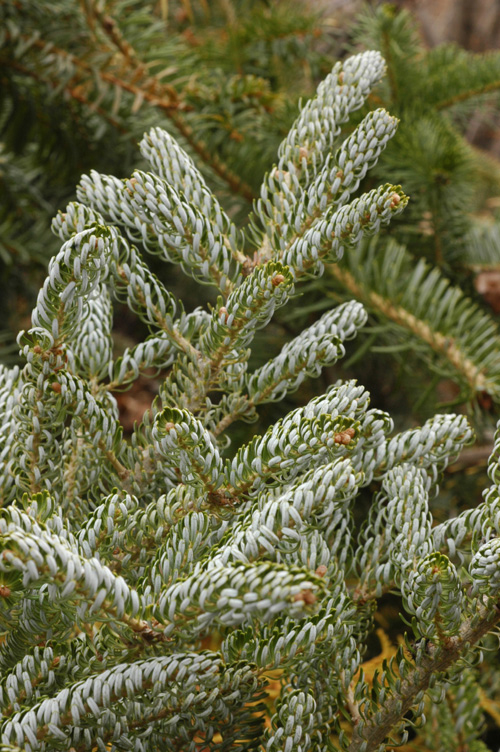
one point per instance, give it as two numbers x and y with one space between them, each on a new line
439 343
125 554
369 734
473 360
74 92
164 100
465 95
236 184
110 27
158 94
161 320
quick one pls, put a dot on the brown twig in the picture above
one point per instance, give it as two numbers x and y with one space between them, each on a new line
444 346
493 86
371 734
110 28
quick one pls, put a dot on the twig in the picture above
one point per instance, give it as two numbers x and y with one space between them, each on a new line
369 735
468 95
110 28
444 346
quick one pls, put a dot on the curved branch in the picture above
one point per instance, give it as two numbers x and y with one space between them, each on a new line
73 91
110 28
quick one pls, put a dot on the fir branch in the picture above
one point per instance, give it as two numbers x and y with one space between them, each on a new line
165 100
171 680
289 446
155 214
343 91
174 166
10 389
138 69
325 241
474 73
434 594
370 733
210 158
73 92
398 297
287 210
250 306
307 354
145 546
182 439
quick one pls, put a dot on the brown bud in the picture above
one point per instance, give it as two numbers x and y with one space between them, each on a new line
307 596
342 438
395 200
341 77
169 426
247 267
303 153
220 498
350 432
321 570
108 23
339 174
223 313
4 591
131 185
56 387
37 349
277 280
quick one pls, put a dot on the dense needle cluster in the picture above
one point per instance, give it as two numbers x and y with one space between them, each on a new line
151 586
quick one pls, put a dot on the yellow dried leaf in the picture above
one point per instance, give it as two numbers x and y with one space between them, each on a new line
375 664
490 706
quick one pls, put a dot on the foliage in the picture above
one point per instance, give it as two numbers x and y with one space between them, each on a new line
151 588
419 289
89 77
83 79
